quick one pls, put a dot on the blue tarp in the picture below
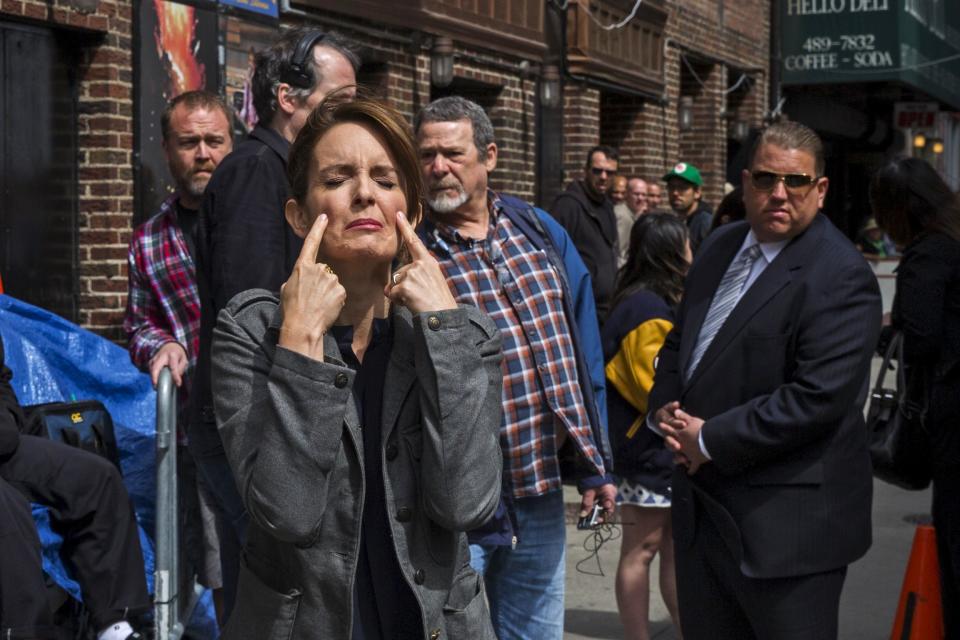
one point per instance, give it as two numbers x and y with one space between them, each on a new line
54 361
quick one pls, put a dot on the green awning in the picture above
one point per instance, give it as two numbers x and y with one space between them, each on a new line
916 42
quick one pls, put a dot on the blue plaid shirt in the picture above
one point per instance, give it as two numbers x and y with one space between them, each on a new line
513 282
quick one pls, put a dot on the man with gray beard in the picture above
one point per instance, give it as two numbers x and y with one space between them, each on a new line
517 264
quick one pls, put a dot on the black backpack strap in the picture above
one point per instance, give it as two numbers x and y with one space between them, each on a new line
525 216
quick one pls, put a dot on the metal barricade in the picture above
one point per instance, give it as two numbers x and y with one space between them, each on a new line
170 606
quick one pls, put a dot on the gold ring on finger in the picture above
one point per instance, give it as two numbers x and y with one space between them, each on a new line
329 269
397 277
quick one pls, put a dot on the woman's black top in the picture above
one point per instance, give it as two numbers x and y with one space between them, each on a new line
927 310
383 605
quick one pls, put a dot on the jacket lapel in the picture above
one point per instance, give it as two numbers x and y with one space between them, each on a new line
400 371
774 278
331 354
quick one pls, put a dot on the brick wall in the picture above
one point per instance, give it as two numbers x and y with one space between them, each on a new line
494 81
581 127
719 39
704 144
105 146
635 126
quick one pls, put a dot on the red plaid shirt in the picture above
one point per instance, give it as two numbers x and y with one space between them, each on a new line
513 282
162 302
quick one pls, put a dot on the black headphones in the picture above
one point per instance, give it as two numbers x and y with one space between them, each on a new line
298 73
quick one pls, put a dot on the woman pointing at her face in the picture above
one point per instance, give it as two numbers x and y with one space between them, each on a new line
360 408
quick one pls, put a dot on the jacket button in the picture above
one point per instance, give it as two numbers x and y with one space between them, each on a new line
433 322
435 634
419 577
392 451
341 380
404 514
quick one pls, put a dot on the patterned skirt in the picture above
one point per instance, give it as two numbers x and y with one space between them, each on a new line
632 493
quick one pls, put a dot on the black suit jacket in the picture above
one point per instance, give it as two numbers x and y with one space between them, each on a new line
781 388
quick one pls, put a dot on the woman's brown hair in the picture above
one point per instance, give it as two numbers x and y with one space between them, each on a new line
336 109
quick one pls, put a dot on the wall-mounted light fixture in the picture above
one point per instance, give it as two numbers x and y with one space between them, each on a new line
739 130
686 113
919 141
441 62
937 146
550 86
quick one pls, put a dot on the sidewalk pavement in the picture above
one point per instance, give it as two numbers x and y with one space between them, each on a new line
867 607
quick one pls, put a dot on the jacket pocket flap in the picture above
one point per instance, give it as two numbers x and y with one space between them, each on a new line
465 614
466 588
261 613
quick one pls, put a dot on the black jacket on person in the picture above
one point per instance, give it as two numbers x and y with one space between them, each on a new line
926 309
243 242
11 416
781 389
699 223
592 226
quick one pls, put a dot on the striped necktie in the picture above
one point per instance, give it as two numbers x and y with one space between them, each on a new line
724 300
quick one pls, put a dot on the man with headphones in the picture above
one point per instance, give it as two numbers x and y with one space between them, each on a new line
243 241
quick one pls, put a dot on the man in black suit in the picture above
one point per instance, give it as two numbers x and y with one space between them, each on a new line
760 388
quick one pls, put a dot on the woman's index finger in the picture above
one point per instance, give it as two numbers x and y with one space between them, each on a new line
311 244
416 247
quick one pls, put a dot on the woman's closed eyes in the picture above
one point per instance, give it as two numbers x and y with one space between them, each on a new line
333 177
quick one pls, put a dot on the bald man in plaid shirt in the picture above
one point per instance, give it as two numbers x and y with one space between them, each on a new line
162 319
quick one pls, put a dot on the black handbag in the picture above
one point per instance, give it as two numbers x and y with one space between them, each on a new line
896 423
83 424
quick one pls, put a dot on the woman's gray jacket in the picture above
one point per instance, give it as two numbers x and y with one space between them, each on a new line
292 435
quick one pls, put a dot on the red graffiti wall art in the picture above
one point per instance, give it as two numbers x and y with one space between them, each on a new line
177 47
175 52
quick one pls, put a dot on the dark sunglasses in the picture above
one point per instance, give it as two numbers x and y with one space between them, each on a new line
597 171
767 180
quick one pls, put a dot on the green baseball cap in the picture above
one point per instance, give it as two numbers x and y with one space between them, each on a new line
686 172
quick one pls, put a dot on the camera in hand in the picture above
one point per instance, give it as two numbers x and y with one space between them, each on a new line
594 519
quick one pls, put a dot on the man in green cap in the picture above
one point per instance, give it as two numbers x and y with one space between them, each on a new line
684 193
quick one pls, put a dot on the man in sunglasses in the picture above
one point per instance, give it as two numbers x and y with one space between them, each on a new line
684 185
759 392
586 212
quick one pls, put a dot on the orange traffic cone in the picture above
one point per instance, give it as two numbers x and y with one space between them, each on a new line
919 616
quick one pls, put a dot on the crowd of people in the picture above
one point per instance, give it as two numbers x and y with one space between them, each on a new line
387 370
